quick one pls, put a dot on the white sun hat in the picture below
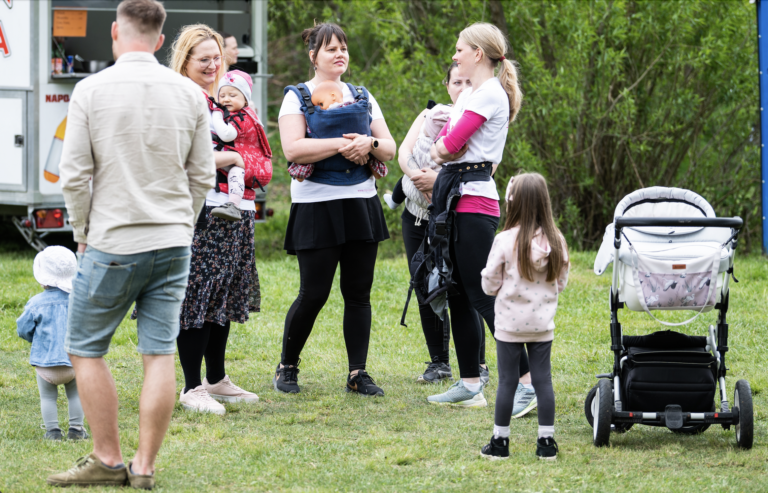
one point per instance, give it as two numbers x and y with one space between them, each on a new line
55 267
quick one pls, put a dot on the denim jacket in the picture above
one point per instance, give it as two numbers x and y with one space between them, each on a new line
44 324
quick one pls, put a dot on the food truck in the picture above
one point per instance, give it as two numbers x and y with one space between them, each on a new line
46 47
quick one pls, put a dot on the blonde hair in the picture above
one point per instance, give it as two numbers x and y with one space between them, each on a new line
491 41
187 40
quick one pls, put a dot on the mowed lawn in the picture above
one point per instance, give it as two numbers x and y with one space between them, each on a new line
326 440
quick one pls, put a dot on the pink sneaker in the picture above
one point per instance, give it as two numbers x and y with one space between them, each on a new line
226 391
199 400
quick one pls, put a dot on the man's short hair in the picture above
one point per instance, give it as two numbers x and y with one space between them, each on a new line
224 36
146 16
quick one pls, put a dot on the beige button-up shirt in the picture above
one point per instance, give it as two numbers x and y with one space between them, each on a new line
141 132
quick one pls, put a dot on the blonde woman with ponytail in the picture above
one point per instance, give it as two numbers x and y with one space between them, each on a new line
467 147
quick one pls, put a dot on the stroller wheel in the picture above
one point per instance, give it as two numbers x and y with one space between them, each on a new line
588 405
616 428
602 412
742 402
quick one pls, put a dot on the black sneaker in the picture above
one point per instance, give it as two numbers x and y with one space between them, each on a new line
75 434
498 448
287 379
485 375
435 372
546 448
362 383
54 434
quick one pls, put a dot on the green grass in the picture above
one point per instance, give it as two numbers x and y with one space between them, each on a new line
326 440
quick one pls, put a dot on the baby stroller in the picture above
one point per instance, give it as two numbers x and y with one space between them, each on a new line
669 252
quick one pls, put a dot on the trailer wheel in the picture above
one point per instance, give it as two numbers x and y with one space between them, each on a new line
602 412
742 401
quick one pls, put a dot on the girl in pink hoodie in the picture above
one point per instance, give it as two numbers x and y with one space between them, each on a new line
526 271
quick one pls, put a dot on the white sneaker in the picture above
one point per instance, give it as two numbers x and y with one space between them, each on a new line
199 400
391 203
226 391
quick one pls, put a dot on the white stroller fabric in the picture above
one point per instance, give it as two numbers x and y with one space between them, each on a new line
682 263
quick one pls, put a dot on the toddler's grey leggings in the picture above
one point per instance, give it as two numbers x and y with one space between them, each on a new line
48 395
508 360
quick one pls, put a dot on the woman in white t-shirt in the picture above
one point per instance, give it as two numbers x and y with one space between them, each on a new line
332 225
468 146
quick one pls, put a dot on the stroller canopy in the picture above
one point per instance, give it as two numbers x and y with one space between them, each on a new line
660 202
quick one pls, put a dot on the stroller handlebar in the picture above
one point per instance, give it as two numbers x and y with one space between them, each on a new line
707 222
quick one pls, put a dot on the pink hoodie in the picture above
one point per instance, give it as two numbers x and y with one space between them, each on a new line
525 310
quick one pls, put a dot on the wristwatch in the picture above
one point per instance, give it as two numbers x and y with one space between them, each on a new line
374 144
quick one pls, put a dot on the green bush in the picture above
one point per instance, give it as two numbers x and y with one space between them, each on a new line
619 95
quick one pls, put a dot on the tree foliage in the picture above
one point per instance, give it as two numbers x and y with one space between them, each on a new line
619 95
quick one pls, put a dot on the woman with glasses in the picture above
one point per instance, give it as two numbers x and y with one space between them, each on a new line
223 283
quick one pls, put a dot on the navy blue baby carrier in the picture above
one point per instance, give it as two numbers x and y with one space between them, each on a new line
331 124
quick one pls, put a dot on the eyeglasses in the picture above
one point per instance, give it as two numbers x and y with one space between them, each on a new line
205 62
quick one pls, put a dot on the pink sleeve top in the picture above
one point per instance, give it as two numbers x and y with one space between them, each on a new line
454 140
467 125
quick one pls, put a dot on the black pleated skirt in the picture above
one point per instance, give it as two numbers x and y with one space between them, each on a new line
327 224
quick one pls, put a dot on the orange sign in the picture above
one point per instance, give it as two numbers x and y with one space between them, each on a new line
70 23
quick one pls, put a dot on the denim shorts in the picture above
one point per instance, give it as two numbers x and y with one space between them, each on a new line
105 287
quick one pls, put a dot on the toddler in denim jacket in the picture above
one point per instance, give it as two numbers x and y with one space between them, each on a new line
44 324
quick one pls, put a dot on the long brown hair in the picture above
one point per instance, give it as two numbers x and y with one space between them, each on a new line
529 207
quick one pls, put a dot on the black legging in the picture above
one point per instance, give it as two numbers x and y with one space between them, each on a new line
541 378
412 237
209 342
473 236
317 269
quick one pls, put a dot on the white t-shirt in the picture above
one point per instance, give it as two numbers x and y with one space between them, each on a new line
309 191
214 198
487 143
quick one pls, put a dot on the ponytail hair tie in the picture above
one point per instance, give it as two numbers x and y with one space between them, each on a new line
502 58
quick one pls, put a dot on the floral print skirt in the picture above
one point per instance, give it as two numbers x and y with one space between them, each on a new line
223 281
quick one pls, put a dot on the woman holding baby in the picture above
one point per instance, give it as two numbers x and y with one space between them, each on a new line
223 282
336 217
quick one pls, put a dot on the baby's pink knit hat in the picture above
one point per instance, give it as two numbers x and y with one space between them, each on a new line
239 80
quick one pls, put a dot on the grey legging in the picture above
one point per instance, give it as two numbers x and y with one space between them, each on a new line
48 395
508 360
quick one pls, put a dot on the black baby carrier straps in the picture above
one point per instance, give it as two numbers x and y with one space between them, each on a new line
432 279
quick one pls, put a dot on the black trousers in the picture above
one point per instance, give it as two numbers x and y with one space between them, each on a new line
508 354
209 342
412 237
473 236
317 268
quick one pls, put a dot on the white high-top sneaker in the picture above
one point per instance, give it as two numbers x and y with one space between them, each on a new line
198 399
